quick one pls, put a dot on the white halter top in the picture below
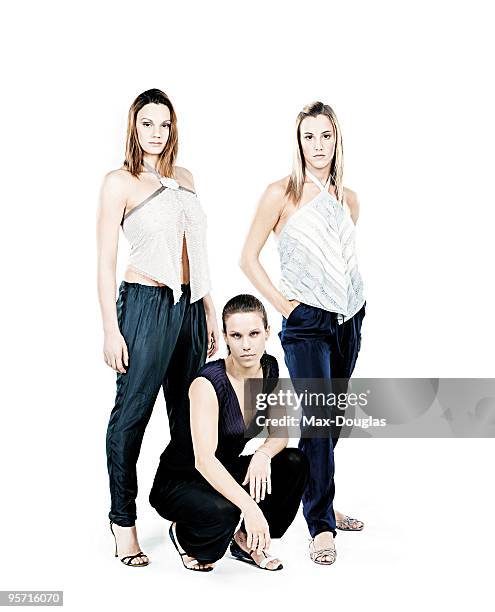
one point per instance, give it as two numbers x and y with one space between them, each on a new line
318 258
155 229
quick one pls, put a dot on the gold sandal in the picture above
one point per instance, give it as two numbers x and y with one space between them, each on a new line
316 555
346 524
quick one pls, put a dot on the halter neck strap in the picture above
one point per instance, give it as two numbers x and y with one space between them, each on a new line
152 170
318 182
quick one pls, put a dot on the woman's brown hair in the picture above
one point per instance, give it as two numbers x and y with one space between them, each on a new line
133 152
249 303
298 175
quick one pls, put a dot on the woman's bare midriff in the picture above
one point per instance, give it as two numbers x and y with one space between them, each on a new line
131 276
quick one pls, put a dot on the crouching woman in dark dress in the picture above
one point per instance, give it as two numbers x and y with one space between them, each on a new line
203 484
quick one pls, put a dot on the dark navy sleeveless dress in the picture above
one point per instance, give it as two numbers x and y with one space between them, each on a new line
233 434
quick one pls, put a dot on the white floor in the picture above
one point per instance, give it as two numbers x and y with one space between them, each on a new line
427 543
419 152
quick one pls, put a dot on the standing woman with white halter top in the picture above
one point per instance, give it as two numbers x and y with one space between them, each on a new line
163 325
321 296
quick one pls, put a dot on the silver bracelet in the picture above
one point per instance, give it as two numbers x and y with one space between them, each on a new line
263 452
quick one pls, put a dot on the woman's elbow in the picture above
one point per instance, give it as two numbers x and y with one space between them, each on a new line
202 461
242 262
246 262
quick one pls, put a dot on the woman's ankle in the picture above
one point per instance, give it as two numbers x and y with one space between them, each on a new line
240 536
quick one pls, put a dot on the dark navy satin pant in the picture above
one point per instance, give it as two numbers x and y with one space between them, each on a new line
316 346
167 345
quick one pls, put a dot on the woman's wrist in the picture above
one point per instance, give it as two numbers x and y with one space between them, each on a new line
263 451
286 307
109 330
249 505
282 304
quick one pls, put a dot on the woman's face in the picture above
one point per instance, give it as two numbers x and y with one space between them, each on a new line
246 337
317 141
153 127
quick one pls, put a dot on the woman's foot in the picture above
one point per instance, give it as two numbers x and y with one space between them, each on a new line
198 566
347 523
240 539
187 561
322 548
128 545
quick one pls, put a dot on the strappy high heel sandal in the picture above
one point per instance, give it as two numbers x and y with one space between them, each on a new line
349 524
241 555
190 565
128 559
317 554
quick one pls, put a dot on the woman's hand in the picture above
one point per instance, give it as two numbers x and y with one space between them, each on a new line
212 331
259 476
291 305
115 351
257 529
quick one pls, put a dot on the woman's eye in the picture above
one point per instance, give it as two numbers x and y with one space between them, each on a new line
308 137
166 125
236 335
327 136
146 124
254 333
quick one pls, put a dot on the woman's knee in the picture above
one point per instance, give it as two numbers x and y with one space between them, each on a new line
224 510
295 461
157 502
209 535
294 457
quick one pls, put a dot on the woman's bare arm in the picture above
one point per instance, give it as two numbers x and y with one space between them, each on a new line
352 201
110 210
273 445
258 473
204 431
211 325
267 214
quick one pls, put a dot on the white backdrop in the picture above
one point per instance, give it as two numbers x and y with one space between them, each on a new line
410 83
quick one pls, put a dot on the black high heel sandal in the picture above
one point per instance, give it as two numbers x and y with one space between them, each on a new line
128 560
190 565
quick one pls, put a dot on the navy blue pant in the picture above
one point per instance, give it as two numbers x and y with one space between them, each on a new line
316 346
167 345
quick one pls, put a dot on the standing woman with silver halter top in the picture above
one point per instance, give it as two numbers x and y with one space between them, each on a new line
321 293
163 325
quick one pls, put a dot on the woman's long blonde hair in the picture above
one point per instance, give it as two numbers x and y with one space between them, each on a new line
133 152
298 175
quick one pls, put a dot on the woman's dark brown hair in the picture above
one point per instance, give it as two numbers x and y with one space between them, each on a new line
249 303
133 152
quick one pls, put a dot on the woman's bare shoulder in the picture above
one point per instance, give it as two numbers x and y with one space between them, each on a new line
118 180
274 197
184 177
278 188
202 389
351 197
352 201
